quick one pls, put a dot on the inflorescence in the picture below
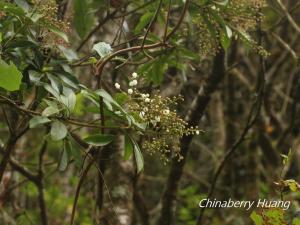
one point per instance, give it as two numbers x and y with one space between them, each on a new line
164 128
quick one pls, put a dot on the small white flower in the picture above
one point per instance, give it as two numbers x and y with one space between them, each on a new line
145 109
134 75
147 95
166 112
213 7
117 85
197 132
143 95
157 118
130 91
147 99
133 83
142 114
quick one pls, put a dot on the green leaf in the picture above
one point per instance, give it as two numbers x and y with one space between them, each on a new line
10 76
99 139
35 16
63 162
257 219
51 90
293 185
38 120
58 131
103 49
121 98
138 156
155 70
296 221
83 17
75 152
11 8
69 53
144 20
221 2
58 33
128 148
225 41
105 95
23 4
50 111
68 99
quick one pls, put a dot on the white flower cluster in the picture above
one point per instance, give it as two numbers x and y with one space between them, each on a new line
132 84
155 109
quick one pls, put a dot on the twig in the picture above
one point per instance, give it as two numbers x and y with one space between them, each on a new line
83 176
286 46
40 185
92 32
185 9
68 120
288 16
167 21
149 27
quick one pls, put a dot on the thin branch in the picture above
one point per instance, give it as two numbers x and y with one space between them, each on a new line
288 16
83 176
286 46
40 185
68 120
9 149
167 21
92 32
149 27
134 10
102 62
184 11
7 121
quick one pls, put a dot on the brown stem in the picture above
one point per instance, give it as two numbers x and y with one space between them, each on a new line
8 151
83 176
92 32
40 186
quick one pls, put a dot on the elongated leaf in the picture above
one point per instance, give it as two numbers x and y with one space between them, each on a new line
75 152
138 156
83 18
221 2
128 148
59 33
10 76
63 162
144 20
50 111
38 120
58 131
99 139
69 53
